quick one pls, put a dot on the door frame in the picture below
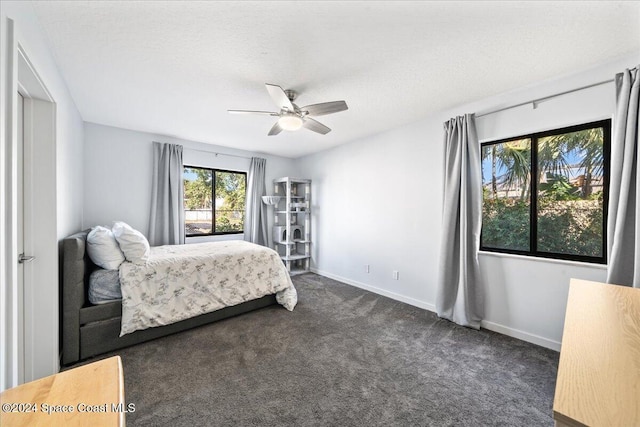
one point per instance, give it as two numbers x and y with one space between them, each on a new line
27 338
40 295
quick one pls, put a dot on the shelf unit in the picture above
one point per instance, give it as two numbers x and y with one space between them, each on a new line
292 223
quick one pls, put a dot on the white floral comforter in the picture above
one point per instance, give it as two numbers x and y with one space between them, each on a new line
183 281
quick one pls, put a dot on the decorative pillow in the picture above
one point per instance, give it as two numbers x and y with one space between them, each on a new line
132 242
104 286
103 248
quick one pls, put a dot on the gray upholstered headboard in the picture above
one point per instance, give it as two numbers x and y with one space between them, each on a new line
76 267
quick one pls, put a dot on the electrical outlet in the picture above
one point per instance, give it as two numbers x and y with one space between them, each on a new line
366 268
396 275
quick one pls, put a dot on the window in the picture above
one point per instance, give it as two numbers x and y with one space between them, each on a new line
213 201
545 194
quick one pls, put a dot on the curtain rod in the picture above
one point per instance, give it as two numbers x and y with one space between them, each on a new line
219 154
537 101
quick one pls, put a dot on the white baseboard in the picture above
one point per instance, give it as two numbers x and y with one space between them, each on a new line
379 291
492 326
521 335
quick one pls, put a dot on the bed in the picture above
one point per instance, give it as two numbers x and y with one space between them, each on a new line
88 329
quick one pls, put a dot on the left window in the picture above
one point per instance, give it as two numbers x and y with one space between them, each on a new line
214 201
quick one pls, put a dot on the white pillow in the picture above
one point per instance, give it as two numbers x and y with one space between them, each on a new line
132 242
103 248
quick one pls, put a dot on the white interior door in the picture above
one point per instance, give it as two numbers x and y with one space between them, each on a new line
26 217
37 305
20 235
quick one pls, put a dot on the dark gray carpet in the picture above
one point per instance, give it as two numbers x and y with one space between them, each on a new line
343 357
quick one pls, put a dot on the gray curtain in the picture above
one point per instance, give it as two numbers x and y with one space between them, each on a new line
166 222
623 228
459 296
255 218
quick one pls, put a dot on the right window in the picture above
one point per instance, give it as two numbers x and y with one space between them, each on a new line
545 194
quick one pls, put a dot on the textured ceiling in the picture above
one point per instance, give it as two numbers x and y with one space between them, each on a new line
174 68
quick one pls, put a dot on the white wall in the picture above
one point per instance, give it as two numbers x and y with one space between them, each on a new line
118 169
378 201
63 207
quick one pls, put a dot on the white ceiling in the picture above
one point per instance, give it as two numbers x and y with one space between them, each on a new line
174 68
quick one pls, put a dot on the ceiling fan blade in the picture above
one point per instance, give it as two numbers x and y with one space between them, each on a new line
279 97
325 108
276 129
269 113
315 126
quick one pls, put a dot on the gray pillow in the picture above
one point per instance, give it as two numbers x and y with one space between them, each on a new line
104 286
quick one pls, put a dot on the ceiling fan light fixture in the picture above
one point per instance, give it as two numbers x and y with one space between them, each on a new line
290 122
291 117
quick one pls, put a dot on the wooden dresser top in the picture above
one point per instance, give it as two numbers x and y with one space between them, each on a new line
89 395
599 372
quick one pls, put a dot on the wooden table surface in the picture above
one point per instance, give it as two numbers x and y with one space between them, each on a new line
598 380
88 395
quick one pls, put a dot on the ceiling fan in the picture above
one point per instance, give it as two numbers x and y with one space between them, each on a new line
292 117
